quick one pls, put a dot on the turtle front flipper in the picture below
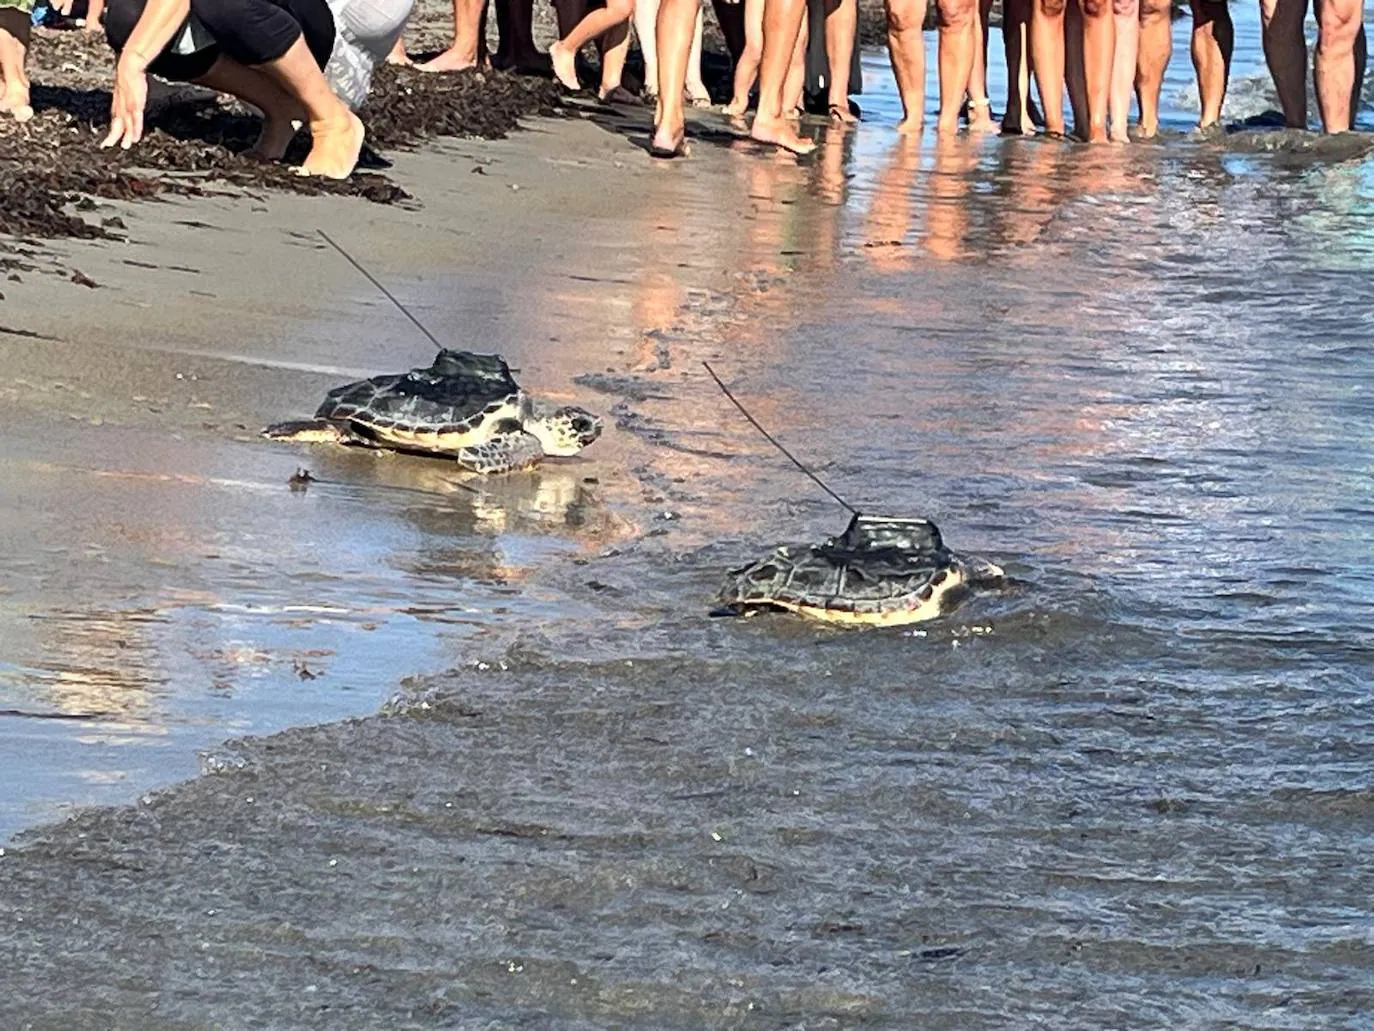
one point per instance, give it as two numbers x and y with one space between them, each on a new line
310 431
502 453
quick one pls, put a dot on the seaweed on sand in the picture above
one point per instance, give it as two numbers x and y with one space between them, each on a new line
48 164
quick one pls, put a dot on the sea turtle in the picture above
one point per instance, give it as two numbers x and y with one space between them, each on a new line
465 406
882 571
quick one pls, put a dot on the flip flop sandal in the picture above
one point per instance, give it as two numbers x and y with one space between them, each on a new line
682 150
620 95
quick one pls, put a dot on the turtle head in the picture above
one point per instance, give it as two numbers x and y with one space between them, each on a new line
564 431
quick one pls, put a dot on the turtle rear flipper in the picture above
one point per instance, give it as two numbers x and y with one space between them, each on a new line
503 453
311 431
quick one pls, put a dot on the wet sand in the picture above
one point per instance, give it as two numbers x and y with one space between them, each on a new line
140 501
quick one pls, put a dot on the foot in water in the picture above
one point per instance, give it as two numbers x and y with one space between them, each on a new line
335 146
979 115
564 66
780 133
841 115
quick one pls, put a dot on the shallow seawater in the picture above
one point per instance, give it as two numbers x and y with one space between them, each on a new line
1133 790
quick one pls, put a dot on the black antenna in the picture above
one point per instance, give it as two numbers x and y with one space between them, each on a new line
772 440
373 280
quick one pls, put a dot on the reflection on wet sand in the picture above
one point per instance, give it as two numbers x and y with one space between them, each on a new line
101 663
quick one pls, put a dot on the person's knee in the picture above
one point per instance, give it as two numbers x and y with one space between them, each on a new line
1126 8
1154 10
120 18
1051 8
905 15
1094 8
957 14
1337 26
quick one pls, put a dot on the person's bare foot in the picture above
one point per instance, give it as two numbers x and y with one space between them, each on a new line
398 55
1097 134
335 146
841 115
780 133
1118 134
737 107
698 95
564 65
980 117
451 60
669 143
1145 131
14 101
278 130
913 125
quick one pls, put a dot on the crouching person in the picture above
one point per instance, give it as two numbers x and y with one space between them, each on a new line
16 19
295 61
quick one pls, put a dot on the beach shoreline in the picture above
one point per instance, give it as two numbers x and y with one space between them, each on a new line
219 314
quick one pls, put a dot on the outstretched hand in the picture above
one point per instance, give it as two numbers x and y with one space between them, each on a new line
127 104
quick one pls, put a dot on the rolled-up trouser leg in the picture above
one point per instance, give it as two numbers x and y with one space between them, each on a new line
252 32
367 29
17 20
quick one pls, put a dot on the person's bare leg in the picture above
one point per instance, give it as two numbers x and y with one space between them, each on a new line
1075 74
841 23
615 48
1124 61
782 25
1156 46
747 67
907 47
697 92
15 99
1357 89
673 40
1047 60
1099 43
336 133
467 14
1333 66
958 39
1285 52
282 114
979 104
1016 16
95 14
398 55
1213 39
646 22
563 52
796 75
